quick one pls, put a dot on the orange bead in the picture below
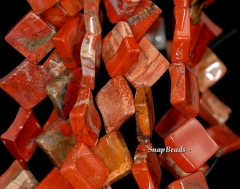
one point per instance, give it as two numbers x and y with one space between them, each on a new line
84 118
149 66
83 169
115 102
68 41
72 6
181 3
40 6
20 137
21 84
112 150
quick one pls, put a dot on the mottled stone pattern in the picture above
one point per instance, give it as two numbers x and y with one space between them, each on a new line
211 70
54 64
56 16
225 138
143 16
201 143
56 141
146 169
169 164
83 169
115 102
84 118
112 150
41 6
26 84
213 110
195 180
54 180
145 117
63 91
68 41
72 6
149 66
31 36
181 37
184 95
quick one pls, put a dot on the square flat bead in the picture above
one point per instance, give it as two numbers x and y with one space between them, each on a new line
211 69
195 180
184 90
20 137
124 58
169 164
169 121
68 41
115 102
112 150
83 169
120 10
56 141
145 117
149 66
143 16
56 16
62 91
54 180
181 38
21 84
84 118
31 36
225 138
54 64
72 6
213 110
192 136
146 169
40 6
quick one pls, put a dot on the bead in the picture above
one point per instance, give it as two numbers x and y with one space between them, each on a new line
149 66
40 6
72 6
191 136
181 3
115 102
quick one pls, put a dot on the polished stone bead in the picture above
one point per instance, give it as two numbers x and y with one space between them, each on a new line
212 110
194 31
124 58
112 150
210 70
115 102
68 41
192 137
113 40
72 6
56 141
52 118
195 180
56 16
169 121
145 117
26 84
146 169
149 66
225 138
169 164
63 91
83 169
54 64
184 90
40 6
181 37
54 180
181 3
84 118
143 16
18 176
90 58
120 10
31 36
20 137
195 10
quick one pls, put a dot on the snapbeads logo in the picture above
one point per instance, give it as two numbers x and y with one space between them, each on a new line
167 149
